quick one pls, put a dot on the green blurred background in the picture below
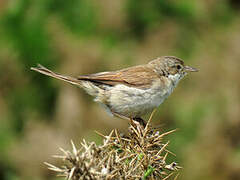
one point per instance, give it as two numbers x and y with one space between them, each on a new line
39 114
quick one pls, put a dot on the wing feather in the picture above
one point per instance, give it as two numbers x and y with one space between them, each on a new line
140 76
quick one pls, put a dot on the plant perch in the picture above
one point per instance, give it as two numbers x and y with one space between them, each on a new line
142 154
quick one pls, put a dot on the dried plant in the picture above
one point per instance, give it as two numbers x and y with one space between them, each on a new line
141 154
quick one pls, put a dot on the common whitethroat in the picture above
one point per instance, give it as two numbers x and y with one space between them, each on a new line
132 92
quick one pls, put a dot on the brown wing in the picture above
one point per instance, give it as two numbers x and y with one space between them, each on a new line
140 76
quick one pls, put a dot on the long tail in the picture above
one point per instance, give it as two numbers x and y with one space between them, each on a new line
43 70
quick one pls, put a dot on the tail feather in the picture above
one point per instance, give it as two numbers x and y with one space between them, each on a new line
41 69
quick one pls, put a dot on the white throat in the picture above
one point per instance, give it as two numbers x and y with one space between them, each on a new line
175 78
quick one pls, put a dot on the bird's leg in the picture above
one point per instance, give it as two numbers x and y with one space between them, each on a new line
140 120
120 116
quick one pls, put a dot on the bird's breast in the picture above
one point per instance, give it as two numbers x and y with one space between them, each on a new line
133 102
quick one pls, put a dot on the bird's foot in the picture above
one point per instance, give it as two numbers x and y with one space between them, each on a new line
136 119
140 121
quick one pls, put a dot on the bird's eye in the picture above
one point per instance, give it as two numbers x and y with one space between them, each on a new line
179 67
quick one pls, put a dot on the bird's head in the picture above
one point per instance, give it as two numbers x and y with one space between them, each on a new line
171 67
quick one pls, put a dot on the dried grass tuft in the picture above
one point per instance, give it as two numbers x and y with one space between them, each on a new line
141 154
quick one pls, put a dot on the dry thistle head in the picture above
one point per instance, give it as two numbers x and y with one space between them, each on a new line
141 154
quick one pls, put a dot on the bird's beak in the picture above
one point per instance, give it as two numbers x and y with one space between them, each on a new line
190 69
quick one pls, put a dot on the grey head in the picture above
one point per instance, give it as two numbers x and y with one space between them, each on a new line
170 66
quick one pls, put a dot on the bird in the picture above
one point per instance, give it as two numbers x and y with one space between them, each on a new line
131 92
